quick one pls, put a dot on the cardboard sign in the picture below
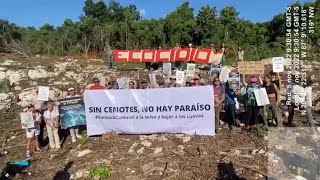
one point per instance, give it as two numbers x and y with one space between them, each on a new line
277 64
191 69
251 67
197 55
43 93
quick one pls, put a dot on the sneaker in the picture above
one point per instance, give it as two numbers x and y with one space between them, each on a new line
38 150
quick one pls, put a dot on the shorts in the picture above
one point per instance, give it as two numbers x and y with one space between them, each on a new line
32 133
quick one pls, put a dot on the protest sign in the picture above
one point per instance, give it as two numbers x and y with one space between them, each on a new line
234 80
180 77
191 69
197 55
43 93
167 71
72 112
26 120
165 112
277 64
261 96
153 80
224 74
251 67
123 83
215 70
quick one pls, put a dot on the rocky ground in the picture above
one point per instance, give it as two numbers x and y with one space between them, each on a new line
132 157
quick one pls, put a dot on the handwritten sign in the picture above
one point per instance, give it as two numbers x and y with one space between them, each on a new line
277 64
43 93
251 67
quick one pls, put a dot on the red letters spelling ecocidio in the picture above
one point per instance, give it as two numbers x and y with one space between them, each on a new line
198 55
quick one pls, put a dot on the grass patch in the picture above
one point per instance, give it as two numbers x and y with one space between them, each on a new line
259 130
101 173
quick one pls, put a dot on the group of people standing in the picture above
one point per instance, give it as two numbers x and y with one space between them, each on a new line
45 116
228 97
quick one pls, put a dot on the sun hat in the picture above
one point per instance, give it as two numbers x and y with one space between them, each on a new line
253 80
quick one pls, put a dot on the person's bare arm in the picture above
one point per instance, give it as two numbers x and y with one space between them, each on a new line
244 80
277 93
56 122
280 84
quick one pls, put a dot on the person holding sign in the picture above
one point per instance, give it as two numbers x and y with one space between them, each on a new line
219 96
252 108
33 132
74 131
51 117
231 95
274 99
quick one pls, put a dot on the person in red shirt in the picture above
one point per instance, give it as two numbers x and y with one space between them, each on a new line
96 85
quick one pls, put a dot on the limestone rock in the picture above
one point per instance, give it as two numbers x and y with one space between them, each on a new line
15 76
37 74
84 152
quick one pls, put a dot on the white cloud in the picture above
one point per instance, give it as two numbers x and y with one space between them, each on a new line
142 12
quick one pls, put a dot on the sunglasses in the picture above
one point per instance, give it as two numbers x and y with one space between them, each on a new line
96 81
173 79
196 79
143 82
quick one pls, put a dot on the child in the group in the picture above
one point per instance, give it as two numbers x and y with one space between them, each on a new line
33 132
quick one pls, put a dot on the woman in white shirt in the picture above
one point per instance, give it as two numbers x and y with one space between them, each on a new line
74 131
35 131
51 117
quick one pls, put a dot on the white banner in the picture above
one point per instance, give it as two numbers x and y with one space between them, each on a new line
188 110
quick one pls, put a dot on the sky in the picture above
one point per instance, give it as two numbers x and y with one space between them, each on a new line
38 12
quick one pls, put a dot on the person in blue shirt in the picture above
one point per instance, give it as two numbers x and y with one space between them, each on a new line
252 109
230 105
